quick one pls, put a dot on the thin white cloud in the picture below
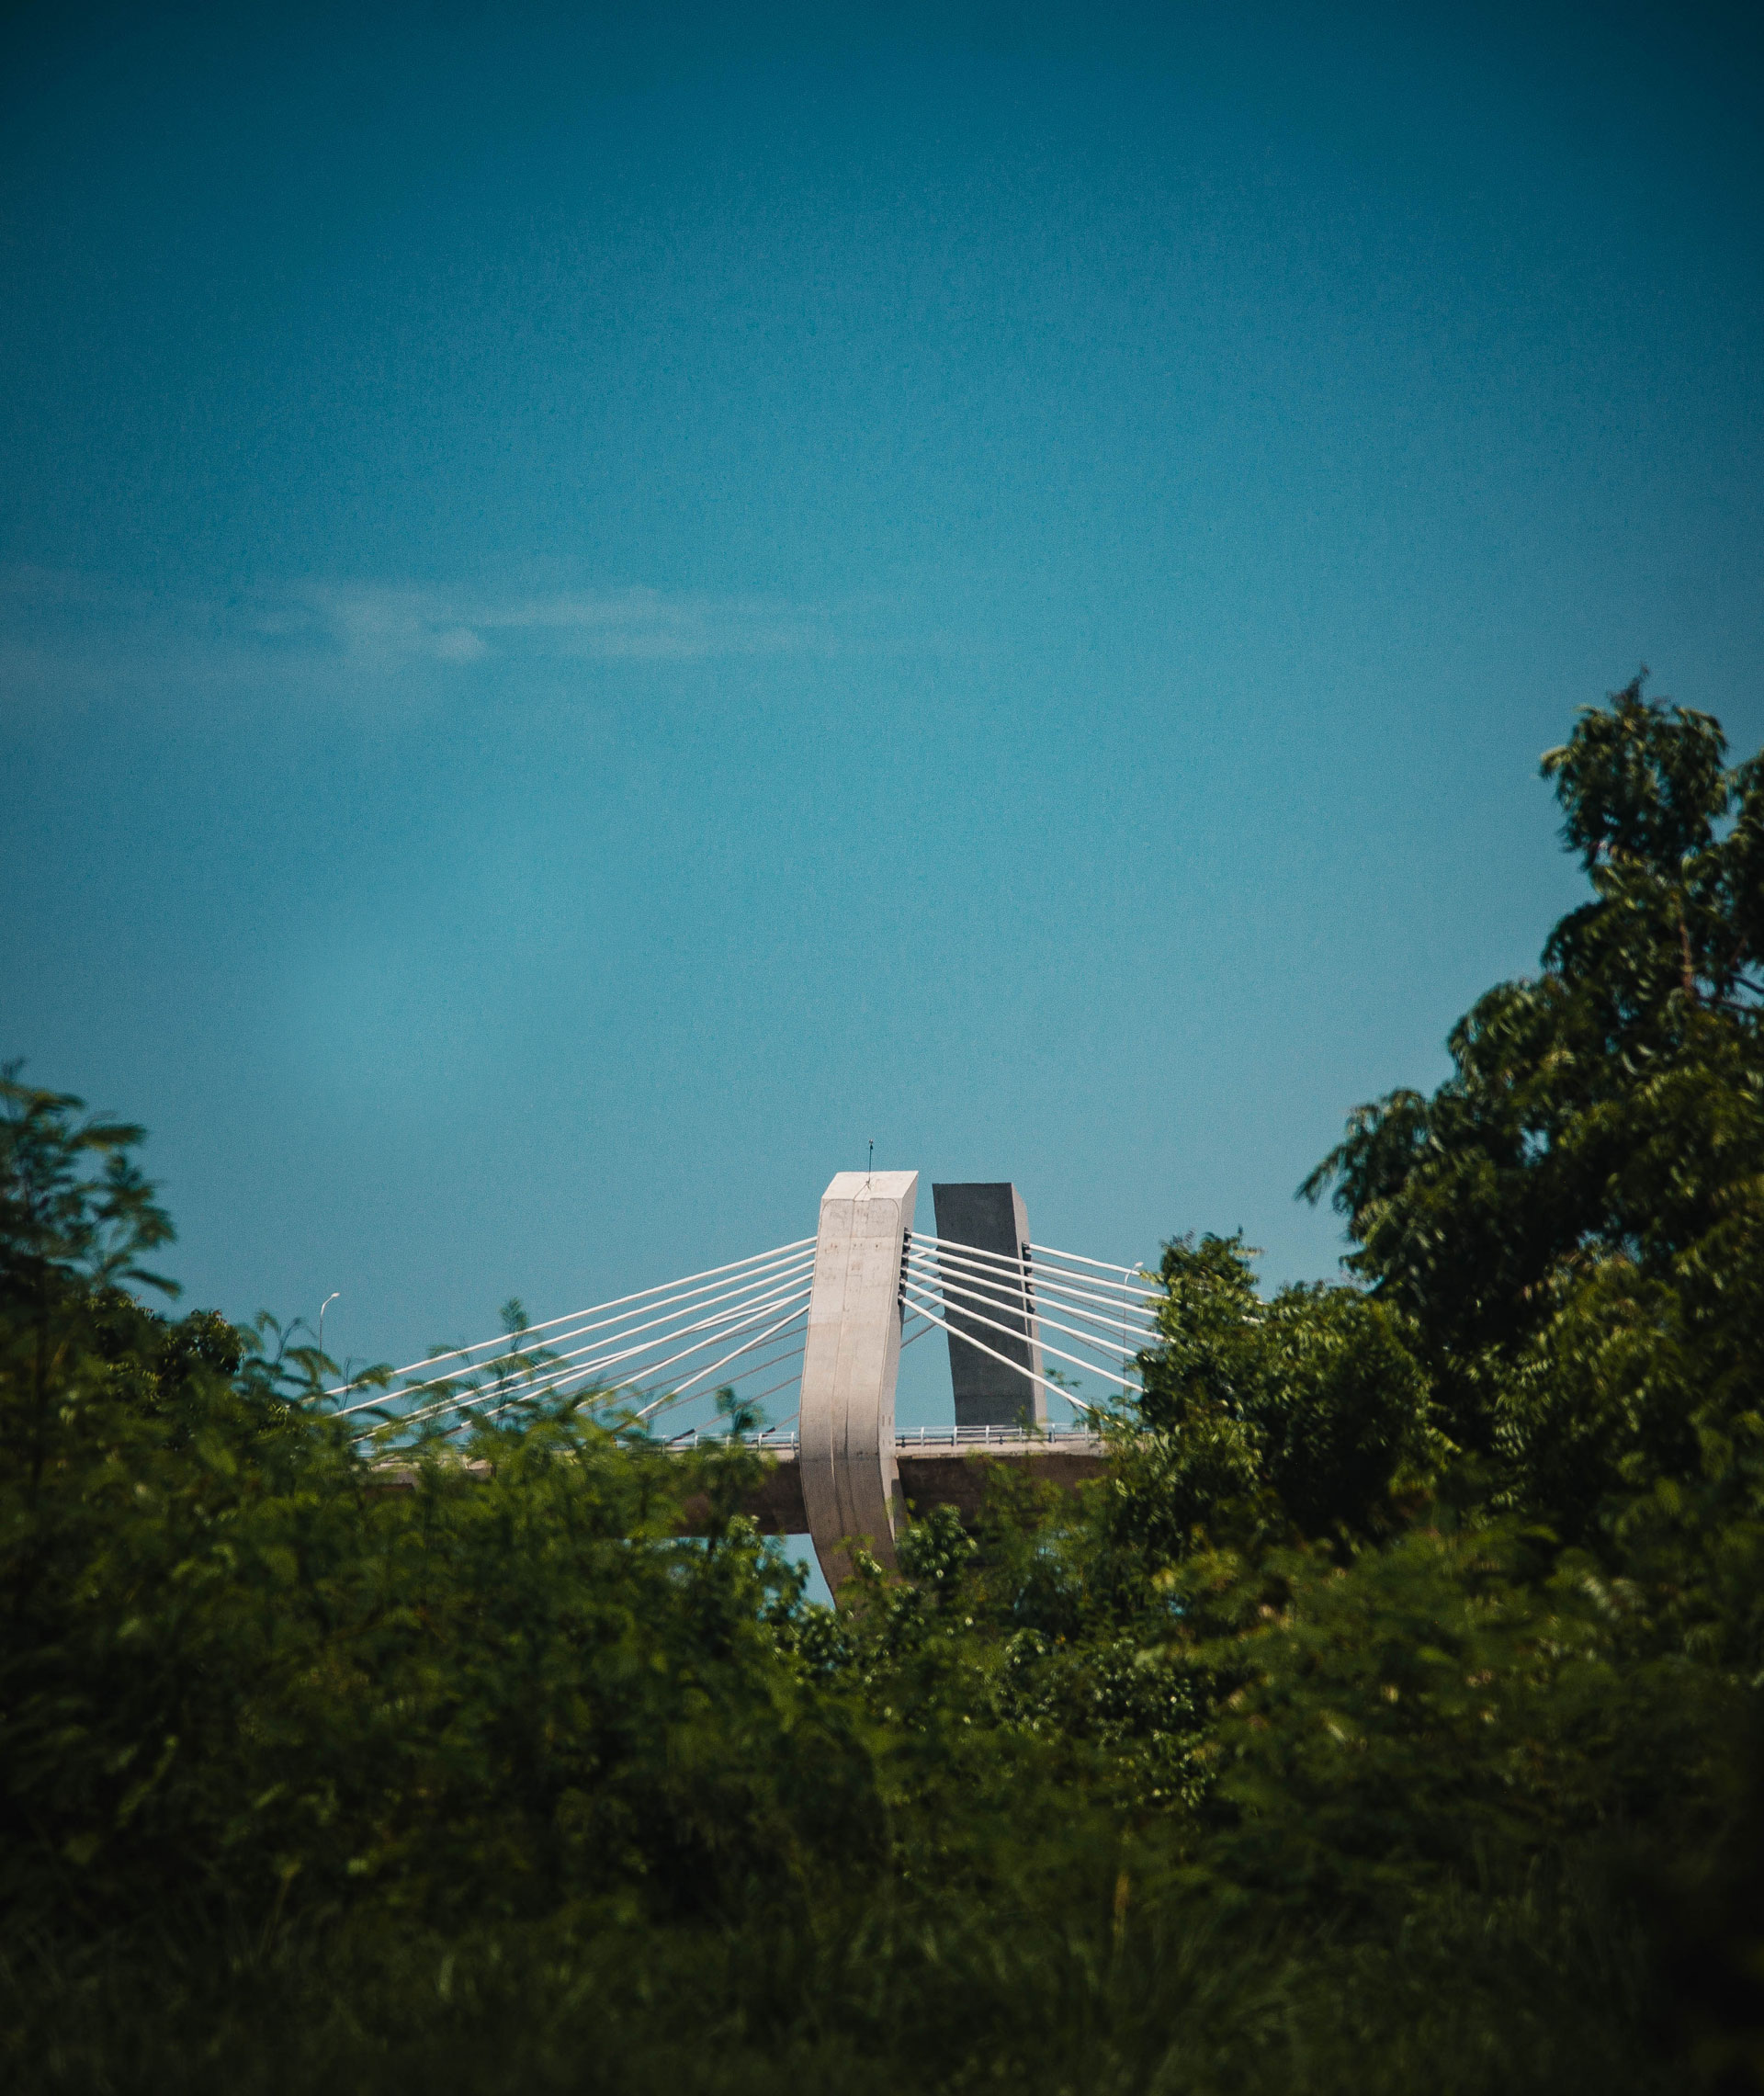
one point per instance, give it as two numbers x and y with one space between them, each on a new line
72 634
376 622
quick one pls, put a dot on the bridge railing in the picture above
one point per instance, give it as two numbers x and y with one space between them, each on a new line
775 1440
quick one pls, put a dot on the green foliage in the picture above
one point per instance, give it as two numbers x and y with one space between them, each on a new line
1387 1716
1314 1397
1574 1221
239 1660
74 1210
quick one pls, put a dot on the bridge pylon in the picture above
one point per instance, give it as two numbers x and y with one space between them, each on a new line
999 1378
851 1479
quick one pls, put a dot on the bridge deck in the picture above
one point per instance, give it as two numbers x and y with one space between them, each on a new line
945 1467
947 1471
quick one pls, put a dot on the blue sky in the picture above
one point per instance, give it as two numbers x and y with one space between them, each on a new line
598 609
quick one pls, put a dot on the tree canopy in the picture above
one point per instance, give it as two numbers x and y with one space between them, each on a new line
1388 1715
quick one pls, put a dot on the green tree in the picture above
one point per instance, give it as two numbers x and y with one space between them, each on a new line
1572 1220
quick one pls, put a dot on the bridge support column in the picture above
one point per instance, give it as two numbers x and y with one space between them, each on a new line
851 1482
989 1216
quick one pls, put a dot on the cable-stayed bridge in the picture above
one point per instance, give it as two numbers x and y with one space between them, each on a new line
819 1325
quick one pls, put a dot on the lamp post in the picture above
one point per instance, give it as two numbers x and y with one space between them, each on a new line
323 1307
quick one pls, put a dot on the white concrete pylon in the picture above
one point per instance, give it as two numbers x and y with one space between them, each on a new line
850 1482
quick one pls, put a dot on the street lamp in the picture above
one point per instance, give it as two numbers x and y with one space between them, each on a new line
323 1307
